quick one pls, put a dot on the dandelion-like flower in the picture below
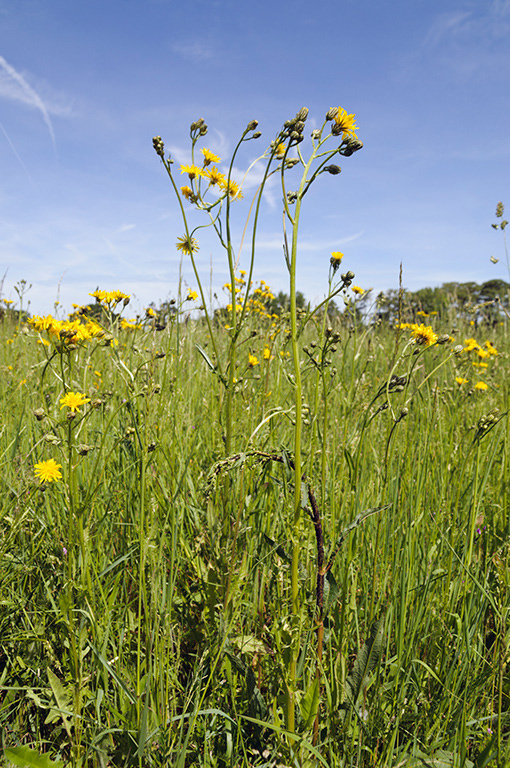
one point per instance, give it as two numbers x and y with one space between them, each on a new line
73 400
209 157
47 471
187 192
481 386
252 360
187 245
345 124
423 334
192 170
233 189
460 381
215 176
192 295
358 290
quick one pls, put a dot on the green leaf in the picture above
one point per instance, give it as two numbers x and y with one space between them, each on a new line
278 548
366 660
206 357
310 703
30 758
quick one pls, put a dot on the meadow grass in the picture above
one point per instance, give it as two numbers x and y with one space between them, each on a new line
240 537
145 594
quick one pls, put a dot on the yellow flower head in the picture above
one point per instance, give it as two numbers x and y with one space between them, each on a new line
346 124
192 295
187 245
215 176
358 290
423 334
187 192
209 157
490 348
460 380
192 170
280 150
481 386
336 257
47 471
266 353
252 360
73 400
233 189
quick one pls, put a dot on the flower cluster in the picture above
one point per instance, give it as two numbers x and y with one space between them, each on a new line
212 175
67 331
109 298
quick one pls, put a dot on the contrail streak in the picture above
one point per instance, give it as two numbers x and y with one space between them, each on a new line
18 156
33 97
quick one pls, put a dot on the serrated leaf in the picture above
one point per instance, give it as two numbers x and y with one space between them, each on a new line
30 758
366 660
310 703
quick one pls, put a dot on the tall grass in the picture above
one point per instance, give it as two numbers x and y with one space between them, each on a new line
189 593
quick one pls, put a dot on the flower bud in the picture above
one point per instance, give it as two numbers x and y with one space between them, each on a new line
39 414
302 114
257 135
334 170
158 145
332 113
252 125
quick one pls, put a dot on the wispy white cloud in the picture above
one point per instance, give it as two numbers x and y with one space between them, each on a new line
15 87
196 51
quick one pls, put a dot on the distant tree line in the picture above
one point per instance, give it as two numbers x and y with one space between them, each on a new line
449 301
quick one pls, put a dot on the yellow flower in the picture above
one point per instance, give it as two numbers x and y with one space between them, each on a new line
187 192
460 380
490 348
423 334
215 176
47 471
192 170
252 360
73 400
357 289
470 344
233 189
8 302
129 325
266 353
480 365
192 295
187 245
209 157
481 386
421 313
336 257
280 150
346 123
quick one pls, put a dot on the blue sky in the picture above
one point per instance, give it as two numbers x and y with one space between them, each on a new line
84 86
